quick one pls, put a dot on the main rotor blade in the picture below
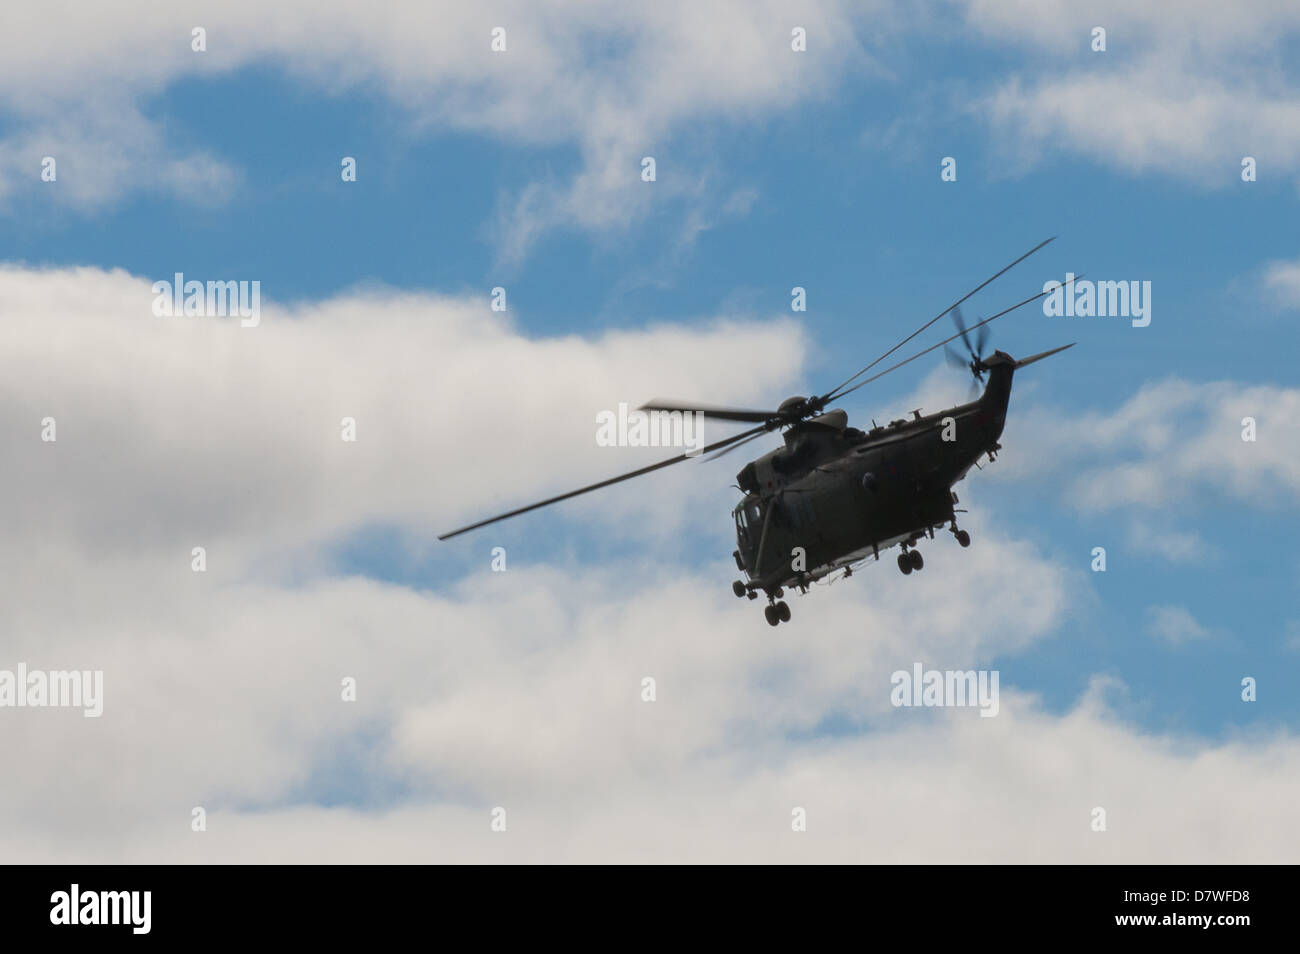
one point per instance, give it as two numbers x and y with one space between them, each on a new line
876 377
708 410
605 483
836 392
728 450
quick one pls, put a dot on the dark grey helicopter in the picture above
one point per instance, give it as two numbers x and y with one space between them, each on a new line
834 495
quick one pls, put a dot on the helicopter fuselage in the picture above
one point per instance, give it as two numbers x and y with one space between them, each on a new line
835 495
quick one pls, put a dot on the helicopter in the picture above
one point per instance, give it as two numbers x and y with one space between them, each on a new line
833 495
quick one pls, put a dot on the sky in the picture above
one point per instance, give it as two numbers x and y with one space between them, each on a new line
488 697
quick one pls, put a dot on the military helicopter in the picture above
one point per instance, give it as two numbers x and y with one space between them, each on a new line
835 495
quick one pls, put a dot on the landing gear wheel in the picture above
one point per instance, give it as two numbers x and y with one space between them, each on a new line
963 538
904 563
771 615
738 588
783 611
914 557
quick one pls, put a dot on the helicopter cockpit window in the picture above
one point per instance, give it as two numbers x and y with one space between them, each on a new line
755 515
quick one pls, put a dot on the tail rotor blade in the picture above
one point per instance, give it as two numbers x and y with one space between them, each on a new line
961 326
1046 354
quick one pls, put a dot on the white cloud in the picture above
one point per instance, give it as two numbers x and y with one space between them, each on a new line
1175 625
1175 546
104 147
1183 88
1282 279
1173 440
618 83
458 413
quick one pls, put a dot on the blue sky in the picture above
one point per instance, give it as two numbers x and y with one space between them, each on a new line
836 189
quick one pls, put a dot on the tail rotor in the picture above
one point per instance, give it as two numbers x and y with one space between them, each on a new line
975 352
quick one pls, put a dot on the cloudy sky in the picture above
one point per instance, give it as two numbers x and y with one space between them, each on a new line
522 690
